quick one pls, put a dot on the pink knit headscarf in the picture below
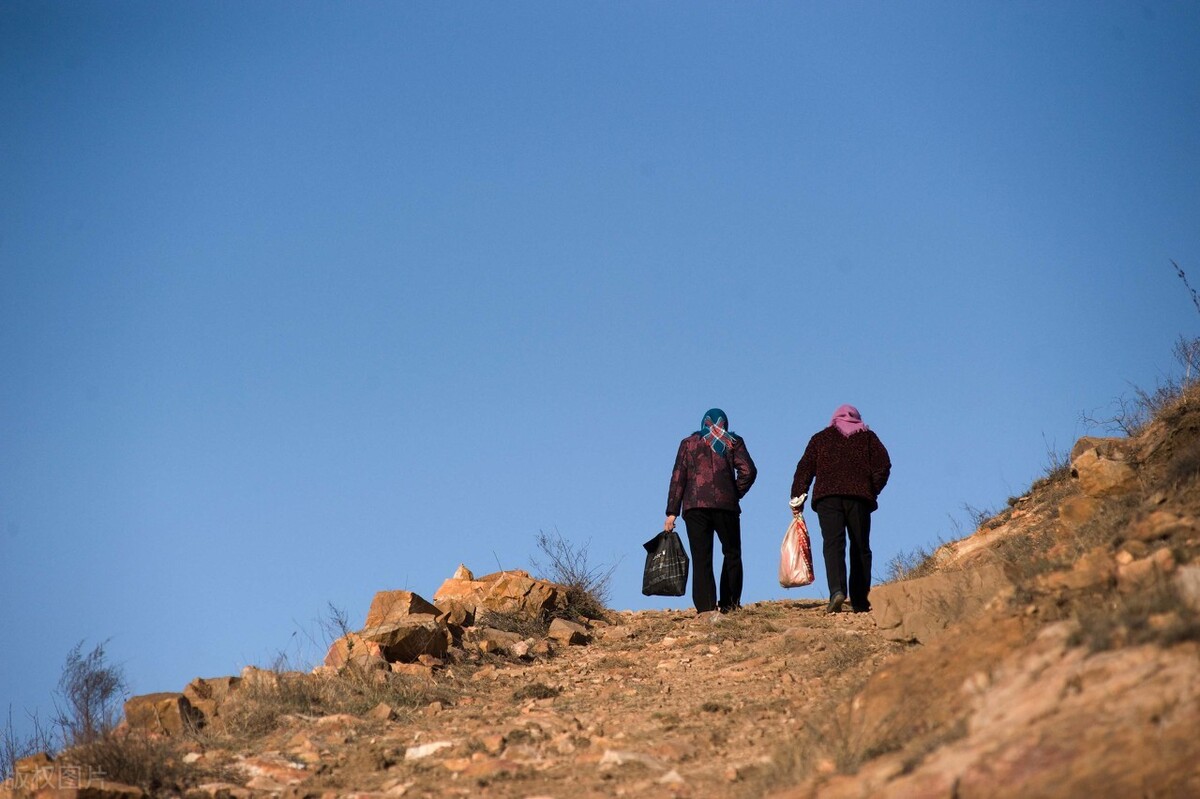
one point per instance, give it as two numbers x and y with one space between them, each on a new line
848 420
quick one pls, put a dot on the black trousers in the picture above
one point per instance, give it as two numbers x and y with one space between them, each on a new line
727 524
842 518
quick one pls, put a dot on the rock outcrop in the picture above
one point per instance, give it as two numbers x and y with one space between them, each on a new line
921 609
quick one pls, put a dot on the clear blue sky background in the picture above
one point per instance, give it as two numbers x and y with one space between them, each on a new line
303 301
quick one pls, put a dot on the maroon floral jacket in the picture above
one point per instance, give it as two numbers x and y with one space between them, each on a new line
854 466
704 479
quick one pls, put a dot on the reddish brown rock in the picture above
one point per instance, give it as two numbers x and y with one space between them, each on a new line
1103 467
1146 573
1076 511
487 639
1161 524
405 642
1187 585
388 607
921 609
512 591
162 713
418 670
1094 569
568 632
352 648
89 788
207 695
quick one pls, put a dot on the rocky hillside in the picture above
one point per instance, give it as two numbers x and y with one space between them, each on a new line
1053 653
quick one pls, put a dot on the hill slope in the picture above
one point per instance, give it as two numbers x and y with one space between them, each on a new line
1054 652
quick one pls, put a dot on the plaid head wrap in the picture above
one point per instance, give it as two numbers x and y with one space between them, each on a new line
714 431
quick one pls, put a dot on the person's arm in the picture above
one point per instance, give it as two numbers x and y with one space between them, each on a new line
881 464
679 477
744 466
805 471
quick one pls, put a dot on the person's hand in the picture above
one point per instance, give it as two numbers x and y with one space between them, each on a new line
797 510
669 524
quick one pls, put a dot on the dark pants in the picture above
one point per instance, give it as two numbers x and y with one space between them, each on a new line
727 524
842 518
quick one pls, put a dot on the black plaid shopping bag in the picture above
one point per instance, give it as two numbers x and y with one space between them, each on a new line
666 571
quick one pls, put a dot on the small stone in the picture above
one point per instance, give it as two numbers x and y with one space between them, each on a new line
425 750
492 744
382 712
568 632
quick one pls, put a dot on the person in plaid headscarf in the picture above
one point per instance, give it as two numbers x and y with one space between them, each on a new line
713 471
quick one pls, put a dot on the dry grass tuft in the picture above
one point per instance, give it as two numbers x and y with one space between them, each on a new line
536 690
513 621
569 565
260 705
1155 615
153 764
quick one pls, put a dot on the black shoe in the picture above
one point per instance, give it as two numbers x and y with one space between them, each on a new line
730 608
860 608
835 603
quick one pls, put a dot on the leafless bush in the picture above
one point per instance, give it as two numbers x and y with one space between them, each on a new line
89 696
910 565
152 764
568 565
1183 276
1058 464
514 621
1187 353
985 517
1131 412
336 624
14 745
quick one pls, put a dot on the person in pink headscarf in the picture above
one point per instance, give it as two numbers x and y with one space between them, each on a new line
850 466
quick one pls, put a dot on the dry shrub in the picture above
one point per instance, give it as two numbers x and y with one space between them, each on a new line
847 652
15 746
89 696
911 565
1025 555
837 736
1154 615
569 565
1184 465
841 738
152 764
536 690
261 704
514 621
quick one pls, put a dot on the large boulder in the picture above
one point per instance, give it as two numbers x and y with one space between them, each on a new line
207 695
1104 467
405 642
922 608
352 648
388 607
513 591
162 713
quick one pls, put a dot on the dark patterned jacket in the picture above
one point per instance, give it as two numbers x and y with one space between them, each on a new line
854 466
704 479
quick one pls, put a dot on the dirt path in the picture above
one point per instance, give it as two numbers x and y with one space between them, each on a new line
659 704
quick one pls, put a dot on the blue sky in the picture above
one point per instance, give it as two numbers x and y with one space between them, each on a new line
299 302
